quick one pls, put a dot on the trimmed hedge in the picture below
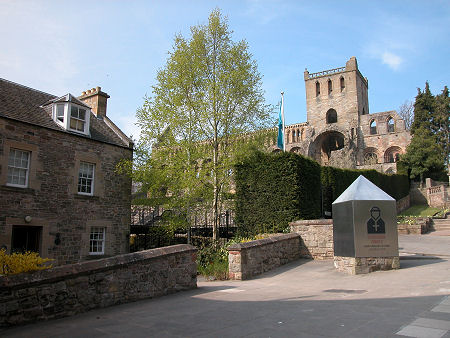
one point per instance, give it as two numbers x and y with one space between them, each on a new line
275 189
334 182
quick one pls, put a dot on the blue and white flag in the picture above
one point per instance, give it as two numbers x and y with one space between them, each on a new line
280 140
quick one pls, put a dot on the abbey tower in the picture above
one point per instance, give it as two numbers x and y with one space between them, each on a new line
339 130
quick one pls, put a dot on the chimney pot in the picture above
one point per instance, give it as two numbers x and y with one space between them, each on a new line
96 99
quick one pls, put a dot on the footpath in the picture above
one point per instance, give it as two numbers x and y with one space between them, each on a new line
302 299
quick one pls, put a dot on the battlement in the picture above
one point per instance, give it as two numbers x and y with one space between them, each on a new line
325 73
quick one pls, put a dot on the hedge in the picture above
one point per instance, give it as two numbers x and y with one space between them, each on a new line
275 189
334 182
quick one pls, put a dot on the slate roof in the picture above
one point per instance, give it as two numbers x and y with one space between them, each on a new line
32 106
363 190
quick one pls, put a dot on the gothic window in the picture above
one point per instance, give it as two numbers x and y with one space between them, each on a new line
331 116
373 127
298 136
293 136
370 157
317 88
342 84
330 87
390 125
392 154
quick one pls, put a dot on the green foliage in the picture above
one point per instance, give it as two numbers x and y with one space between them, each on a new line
334 182
208 95
21 262
275 189
428 152
212 260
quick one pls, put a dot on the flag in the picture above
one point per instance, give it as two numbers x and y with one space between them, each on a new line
280 140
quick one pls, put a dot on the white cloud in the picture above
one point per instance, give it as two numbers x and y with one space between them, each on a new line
392 60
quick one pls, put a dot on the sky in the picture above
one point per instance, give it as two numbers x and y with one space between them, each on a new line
62 47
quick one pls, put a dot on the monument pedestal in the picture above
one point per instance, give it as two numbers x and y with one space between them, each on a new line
363 265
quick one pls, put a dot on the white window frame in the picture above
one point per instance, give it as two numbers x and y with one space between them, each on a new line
97 236
27 168
92 180
68 116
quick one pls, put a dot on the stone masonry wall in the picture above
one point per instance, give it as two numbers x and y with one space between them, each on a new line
415 226
51 199
246 260
316 238
71 289
403 204
363 265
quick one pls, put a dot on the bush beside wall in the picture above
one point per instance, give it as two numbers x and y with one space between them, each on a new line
275 189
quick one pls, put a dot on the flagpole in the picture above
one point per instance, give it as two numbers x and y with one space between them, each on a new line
282 119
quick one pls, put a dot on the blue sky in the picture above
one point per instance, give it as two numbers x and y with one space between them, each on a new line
70 46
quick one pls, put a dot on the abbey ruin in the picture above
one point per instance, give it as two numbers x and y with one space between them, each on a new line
339 130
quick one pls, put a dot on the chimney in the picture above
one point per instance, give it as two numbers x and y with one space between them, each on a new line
96 99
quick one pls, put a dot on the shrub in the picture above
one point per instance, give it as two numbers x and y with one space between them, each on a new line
273 190
213 261
21 262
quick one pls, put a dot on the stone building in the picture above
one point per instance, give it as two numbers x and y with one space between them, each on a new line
339 130
59 192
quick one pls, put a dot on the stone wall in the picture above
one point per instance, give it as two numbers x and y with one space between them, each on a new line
246 260
316 238
403 203
51 201
415 226
363 265
70 289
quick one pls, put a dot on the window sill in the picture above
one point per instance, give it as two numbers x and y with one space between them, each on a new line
86 197
18 189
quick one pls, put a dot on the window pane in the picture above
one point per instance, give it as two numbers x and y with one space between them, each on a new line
81 114
86 178
18 163
73 111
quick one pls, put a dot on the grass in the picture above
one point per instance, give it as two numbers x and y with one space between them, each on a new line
420 211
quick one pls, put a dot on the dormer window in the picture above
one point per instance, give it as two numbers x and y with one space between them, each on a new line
72 117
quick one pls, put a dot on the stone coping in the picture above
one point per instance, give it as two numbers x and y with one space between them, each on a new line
262 242
87 267
313 222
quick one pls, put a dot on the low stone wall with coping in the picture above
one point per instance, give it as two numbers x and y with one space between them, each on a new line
415 226
316 238
246 260
70 289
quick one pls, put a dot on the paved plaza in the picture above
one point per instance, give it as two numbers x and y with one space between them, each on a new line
302 299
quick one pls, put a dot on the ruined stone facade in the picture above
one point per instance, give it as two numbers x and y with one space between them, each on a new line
60 194
339 130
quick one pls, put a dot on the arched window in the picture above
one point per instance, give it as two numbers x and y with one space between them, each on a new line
317 88
392 154
330 87
364 112
370 157
298 136
390 125
293 136
373 127
331 116
342 83
288 136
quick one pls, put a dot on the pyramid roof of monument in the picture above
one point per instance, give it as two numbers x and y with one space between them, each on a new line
363 190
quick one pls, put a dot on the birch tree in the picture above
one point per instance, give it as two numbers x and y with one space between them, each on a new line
206 102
